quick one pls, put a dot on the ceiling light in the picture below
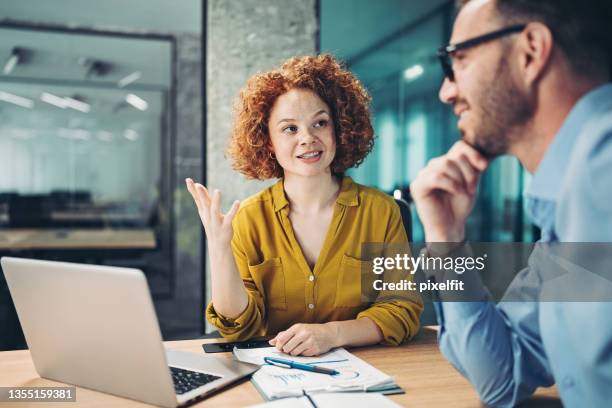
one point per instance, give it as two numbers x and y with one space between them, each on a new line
137 102
53 100
16 100
77 104
74 134
131 135
16 57
125 81
412 73
105 136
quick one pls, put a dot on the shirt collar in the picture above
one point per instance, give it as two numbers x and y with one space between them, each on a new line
348 195
550 174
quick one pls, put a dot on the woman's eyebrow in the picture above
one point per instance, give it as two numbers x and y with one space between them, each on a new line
285 120
320 112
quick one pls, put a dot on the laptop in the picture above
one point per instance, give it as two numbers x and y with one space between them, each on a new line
95 327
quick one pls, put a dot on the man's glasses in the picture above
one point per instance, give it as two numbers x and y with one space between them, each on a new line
445 54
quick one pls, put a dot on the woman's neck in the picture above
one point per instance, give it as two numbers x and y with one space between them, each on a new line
308 195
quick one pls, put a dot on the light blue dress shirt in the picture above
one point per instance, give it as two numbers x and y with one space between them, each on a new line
508 350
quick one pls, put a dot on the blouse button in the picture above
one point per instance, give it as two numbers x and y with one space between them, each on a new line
311 278
310 306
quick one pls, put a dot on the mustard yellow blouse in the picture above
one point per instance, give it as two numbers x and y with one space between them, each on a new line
281 287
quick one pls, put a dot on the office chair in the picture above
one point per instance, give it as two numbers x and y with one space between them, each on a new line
406 216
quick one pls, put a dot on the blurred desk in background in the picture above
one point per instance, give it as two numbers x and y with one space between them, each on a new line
44 239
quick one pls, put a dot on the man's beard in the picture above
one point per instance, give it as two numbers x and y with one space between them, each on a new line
504 111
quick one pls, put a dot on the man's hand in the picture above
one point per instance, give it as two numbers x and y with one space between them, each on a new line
444 192
306 339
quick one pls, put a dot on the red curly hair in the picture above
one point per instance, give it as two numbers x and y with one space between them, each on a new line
345 96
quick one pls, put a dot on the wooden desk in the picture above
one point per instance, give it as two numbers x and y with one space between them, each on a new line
429 380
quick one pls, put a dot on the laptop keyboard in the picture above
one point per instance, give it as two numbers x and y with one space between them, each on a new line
187 380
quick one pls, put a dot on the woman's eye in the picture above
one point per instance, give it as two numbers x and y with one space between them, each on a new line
320 124
290 129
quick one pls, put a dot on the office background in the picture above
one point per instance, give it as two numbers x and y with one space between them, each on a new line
105 108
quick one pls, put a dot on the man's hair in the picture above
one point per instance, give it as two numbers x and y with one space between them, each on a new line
581 28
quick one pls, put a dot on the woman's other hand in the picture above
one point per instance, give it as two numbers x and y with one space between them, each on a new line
218 226
306 339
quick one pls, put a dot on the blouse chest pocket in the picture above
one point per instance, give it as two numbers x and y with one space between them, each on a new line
349 284
269 277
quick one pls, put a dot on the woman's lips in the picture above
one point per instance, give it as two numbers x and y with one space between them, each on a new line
310 157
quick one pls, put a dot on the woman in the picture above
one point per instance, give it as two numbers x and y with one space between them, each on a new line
288 261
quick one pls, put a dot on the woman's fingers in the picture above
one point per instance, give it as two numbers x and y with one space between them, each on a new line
301 348
215 204
282 338
295 341
199 200
227 219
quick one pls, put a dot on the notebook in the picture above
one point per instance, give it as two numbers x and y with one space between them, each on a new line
356 375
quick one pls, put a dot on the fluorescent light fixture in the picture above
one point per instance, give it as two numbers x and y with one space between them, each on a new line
137 102
105 136
397 194
77 105
412 73
74 134
16 100
15 58
21 133
131 135
134 76
10 64
53 100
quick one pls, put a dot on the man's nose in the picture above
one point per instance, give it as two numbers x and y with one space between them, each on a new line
448 91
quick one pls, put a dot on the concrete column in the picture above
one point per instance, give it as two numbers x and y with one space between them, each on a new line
245 37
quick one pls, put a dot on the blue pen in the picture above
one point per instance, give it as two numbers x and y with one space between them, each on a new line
281 362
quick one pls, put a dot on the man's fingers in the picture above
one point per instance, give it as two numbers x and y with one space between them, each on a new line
469 173
444 182
474 157
446 166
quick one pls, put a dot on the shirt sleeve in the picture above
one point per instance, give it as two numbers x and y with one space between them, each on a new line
396 316
250 322
498 348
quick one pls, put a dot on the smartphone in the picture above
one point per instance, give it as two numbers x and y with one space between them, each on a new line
228 347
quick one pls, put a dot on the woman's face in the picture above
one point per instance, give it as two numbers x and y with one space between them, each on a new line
302 133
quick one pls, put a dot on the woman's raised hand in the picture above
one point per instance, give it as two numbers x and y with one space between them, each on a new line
218 226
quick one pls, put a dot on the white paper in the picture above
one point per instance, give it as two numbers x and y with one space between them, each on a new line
333 400
279 382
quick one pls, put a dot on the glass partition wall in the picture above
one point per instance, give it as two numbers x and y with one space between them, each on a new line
390 45
85 147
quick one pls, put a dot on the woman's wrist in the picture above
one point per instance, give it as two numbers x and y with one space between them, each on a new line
335 334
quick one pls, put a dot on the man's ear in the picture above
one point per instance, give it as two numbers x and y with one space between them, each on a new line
535 48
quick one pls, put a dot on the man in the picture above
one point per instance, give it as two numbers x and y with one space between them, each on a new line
530 79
